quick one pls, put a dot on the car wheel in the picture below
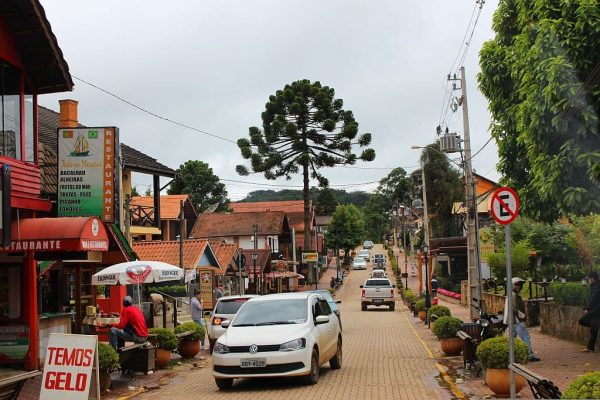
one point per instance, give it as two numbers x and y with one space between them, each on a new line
224 383
313 376
392 307
336 361
363 307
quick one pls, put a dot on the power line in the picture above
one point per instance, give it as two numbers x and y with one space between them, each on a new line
294 186
482 147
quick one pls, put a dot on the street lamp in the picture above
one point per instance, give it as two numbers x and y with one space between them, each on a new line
425 250
256 280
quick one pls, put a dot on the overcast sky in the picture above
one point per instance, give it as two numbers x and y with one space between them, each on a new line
213 64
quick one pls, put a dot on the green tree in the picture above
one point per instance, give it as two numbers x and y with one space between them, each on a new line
519 260
540 75
346 229
304 129
134 191
326 202
148 191
196 179
396 188
377 218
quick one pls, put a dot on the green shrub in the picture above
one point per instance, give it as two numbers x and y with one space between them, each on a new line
175 290
569 293
584 387
493 353
439 311
420 305
410 296
165 338
191 326
108 358
446 327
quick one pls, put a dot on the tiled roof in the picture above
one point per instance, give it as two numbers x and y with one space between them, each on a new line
168 251
263 261
287 206
321 220
296 220
217 225
48 124
225 252
169 204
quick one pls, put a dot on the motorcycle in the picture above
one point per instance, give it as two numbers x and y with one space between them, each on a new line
491 325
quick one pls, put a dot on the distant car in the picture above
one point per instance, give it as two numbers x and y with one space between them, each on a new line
378 260
377 292
333 304
225 310
359 263
278 335
378 273
368 244
364 254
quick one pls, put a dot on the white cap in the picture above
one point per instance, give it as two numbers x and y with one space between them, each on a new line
516 280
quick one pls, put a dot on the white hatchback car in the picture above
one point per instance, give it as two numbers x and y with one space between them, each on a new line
288 334
225 310
359 263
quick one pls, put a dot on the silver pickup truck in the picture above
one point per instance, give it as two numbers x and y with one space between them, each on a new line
377 292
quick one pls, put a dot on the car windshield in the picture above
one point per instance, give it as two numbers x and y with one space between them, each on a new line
229 306
379 256
378 282
272 312
359 260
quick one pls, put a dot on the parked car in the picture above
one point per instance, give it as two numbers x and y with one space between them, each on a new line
377 292
333 304
278 335
378 260
225 310
368 244
359 263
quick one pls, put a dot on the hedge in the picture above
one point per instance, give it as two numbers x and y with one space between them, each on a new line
570 293
584 387
175 290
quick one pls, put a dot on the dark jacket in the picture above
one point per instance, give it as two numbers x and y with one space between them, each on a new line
593 307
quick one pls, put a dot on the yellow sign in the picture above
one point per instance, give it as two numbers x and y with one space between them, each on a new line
310 257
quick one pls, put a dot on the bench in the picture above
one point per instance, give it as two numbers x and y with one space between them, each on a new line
541 387
11 386
137 357
469 349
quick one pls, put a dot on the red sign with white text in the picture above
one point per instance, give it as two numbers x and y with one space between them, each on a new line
70 361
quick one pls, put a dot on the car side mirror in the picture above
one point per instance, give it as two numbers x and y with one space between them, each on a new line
338 302
322 319
361 286
225 324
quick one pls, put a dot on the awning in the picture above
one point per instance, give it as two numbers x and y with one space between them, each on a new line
58 235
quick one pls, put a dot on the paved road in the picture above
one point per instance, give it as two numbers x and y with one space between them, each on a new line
383 359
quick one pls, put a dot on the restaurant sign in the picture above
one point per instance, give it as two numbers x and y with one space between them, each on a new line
310 257
87 161
57 245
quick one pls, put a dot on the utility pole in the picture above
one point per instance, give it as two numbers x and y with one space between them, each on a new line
474 264
426 233
181 229
255 237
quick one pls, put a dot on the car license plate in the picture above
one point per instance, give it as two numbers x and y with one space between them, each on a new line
253 362
378 301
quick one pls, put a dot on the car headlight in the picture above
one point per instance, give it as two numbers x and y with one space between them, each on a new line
293 345
220 348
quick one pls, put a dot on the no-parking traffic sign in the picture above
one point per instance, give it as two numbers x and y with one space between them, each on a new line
505 205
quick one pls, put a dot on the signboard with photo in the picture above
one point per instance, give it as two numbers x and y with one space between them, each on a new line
87 178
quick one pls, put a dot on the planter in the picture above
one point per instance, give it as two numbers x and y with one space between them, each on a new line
452 346
162 358
422 315
498 382
431 325
105 381
189 348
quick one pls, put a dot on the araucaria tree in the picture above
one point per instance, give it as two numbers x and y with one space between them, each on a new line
304 129
541 75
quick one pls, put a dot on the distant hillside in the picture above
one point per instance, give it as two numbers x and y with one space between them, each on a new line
357 198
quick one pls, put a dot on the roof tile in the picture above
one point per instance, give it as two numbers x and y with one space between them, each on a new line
168 251
169 204
217 225
287 206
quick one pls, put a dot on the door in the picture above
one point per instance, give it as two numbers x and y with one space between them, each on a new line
330 329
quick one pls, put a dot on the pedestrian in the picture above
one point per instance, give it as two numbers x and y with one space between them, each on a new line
131 327
332 283
519 317
218 292
197 311
591 318
434 285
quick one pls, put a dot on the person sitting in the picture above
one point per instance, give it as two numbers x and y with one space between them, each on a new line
131 327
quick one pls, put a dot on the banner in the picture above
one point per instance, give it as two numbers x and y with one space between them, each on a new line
310 257
87 161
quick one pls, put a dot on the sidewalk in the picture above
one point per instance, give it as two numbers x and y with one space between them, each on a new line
561 361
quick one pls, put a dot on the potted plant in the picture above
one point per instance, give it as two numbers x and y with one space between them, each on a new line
108 361
100 291
436 312
190 346
445 329
421 310
584 387
493 355
409 297
165 342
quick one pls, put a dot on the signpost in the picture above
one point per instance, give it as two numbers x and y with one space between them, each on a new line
505 208
71 365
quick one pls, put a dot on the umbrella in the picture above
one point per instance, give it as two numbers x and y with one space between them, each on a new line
136 273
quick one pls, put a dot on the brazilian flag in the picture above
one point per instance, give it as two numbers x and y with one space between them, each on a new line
92 134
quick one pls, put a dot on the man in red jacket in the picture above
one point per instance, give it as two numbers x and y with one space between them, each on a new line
131 328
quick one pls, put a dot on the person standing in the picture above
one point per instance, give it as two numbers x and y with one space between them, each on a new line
519 317
332 283
592 312
197 311
131 327
434 286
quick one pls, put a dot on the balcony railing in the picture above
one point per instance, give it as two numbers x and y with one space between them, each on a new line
142 216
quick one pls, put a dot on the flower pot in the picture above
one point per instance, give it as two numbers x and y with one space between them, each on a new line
431 325
498 382
189 348
422 315
452 346
105 381
162 358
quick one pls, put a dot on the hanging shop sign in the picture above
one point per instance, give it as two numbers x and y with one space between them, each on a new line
87 172
310 257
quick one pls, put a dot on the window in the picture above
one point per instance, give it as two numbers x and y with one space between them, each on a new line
378 282
10 104
29 135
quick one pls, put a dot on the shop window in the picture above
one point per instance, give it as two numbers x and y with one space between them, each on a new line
10 108
29 132
10 292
